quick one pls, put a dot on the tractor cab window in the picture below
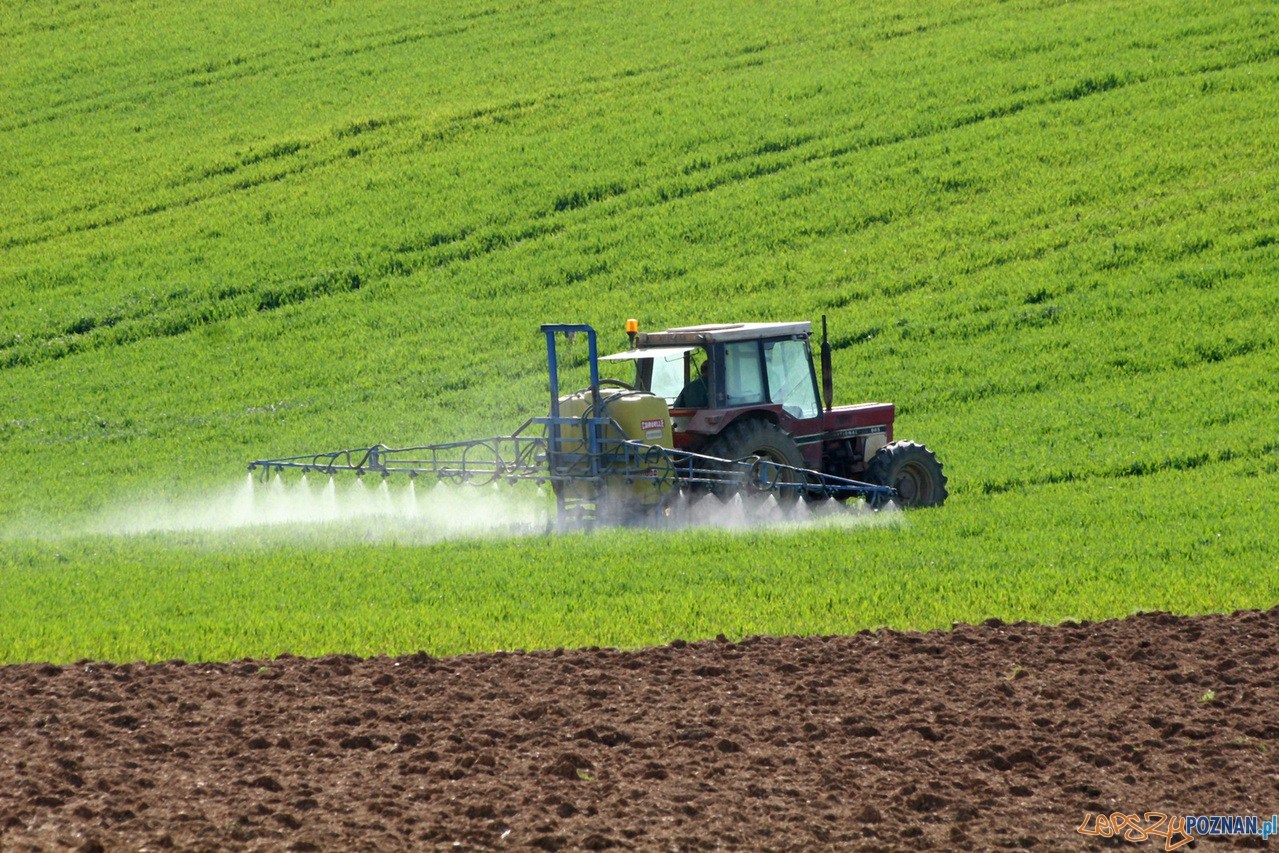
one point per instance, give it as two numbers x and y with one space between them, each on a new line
790 378
743 379
667 379
696 393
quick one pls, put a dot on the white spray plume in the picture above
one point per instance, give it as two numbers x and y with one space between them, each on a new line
749 512
355 506
330 509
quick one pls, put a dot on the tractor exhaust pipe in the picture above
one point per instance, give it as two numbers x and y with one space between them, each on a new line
828 374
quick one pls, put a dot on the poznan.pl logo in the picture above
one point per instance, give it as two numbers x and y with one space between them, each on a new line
1175 831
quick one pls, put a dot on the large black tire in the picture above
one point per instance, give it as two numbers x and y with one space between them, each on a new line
758 438
911 469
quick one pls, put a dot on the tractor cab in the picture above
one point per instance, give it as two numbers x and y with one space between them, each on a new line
734 374
709 375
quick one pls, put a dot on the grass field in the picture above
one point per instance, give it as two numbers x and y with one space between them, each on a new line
1045 230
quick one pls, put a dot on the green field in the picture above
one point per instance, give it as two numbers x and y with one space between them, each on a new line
1045 230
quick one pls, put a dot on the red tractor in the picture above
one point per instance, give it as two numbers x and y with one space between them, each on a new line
750 390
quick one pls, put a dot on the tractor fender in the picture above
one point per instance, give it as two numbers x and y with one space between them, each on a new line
756 436
698 428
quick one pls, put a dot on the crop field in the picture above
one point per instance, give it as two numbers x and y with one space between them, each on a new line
1045 230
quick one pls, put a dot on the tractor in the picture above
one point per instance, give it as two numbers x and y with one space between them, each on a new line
754 395
718 410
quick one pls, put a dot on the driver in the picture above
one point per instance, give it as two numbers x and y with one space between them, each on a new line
696 394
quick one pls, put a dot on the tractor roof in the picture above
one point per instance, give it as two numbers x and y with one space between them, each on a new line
701 335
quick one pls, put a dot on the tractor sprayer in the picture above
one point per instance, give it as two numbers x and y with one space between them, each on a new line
713 412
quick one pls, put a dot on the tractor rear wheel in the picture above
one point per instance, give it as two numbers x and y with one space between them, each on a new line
911 469
755 437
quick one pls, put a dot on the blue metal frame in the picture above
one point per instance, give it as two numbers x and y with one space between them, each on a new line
557 460
555 422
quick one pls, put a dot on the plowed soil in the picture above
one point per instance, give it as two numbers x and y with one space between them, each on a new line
978 738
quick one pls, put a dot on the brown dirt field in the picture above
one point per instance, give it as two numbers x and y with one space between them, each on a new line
980 738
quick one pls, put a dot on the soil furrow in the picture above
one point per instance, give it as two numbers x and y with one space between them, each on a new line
978 738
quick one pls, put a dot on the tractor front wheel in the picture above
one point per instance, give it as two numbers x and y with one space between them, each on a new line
911 469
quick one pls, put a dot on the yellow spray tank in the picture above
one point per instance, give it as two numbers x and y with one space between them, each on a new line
635 415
